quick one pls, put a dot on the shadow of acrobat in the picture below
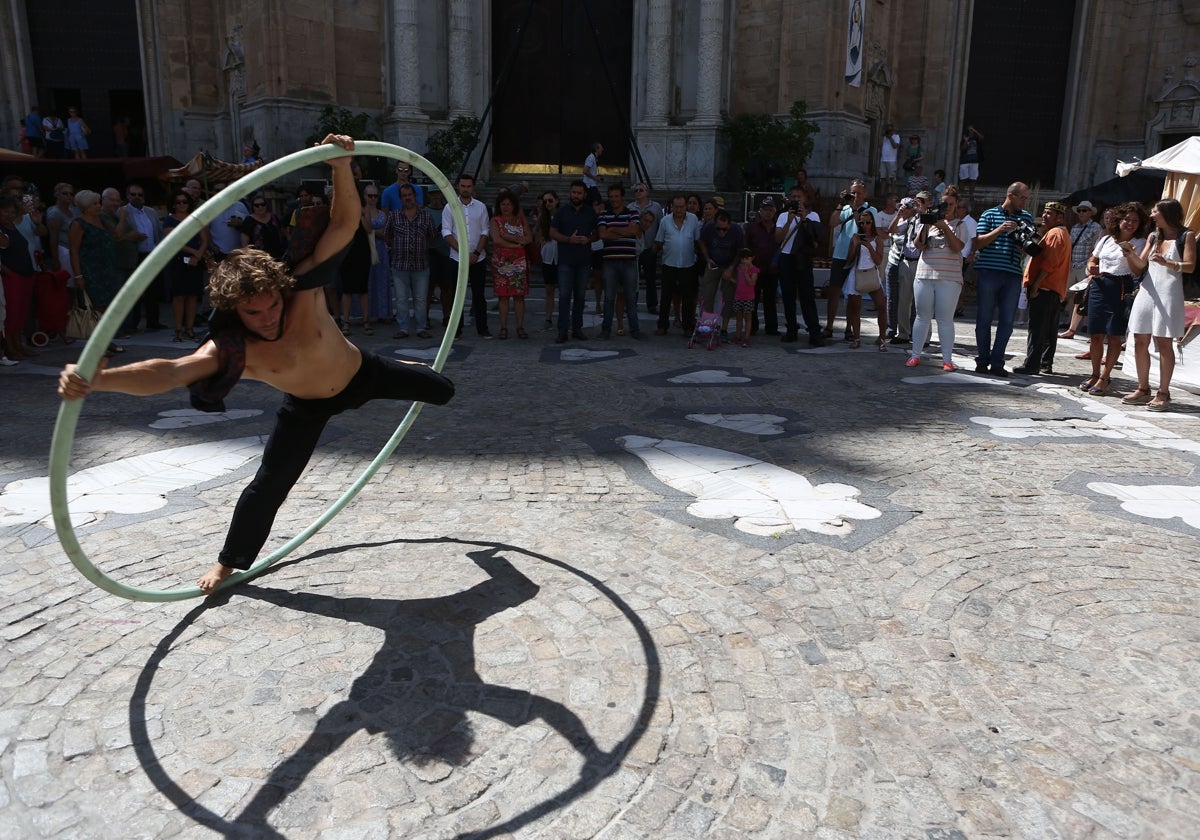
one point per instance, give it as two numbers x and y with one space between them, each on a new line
416 692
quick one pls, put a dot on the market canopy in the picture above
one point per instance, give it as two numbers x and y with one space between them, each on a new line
1182 165
1183 158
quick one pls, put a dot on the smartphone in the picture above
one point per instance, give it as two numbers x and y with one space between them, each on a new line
187 260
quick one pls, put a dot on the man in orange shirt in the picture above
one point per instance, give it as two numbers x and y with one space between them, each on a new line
1045 284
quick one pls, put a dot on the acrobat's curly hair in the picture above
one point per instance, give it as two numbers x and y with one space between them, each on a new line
245 273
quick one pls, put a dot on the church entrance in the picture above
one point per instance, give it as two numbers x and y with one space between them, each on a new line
557 101
1016 88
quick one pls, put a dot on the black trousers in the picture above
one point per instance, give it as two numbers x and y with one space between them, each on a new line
796 279
477 275
648 262
764 293
684 282
298 426
1042 331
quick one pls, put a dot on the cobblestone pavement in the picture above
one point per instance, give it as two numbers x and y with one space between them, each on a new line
619 589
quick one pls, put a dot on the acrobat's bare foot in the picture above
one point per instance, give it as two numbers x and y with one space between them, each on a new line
214 578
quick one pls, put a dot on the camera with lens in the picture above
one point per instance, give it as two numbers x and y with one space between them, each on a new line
847 197
794 206
1027 239
934 214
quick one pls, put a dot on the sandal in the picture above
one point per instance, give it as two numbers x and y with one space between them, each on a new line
1086 385
345 325
190 334
178 337
503 333
855 344
827 333
367 328
1067 334
521 333
1161 402
881 344
1101 387
1139 397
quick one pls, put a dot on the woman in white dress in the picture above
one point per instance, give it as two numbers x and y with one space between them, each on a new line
1158 308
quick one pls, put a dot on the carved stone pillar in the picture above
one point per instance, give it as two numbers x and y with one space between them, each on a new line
461 58
712 63
658 63
406 62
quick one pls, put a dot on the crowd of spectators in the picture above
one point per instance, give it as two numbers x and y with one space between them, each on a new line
910 256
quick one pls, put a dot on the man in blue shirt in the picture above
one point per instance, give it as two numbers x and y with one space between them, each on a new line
676 240
573 228
998 259
33 132
844 229
390 200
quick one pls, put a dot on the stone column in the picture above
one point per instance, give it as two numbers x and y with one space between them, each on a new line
712 63
658 63
406 62
461 58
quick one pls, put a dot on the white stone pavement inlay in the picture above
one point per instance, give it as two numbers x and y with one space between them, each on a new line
578 355
751 424
762 498
708 377
132 485
1155 501
184 418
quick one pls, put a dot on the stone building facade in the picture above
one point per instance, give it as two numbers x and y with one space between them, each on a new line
1061 91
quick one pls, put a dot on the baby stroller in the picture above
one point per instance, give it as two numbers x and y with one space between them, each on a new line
708 331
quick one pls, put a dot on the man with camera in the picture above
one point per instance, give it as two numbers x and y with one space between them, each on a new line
1046 277
902 266
1004 234
851 203
798 233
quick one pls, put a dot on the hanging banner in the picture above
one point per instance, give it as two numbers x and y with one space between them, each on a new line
854 43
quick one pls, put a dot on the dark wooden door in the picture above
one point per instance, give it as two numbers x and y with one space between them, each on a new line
557 100
1016 87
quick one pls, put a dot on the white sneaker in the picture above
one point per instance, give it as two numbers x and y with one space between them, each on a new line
7 362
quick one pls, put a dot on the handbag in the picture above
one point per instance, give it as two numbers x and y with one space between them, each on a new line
82 321
866 280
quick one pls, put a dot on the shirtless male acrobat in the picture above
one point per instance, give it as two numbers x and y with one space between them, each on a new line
277 331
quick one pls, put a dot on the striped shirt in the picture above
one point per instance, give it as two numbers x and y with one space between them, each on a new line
1083 238
1003 254
624 248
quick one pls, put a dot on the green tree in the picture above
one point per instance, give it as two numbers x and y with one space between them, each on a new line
765 148
360 126
448 149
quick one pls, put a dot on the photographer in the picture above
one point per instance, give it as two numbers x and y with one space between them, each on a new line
798 233
1045 283
844 228
998 257
902 267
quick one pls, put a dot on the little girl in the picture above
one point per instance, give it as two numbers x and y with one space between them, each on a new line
743 295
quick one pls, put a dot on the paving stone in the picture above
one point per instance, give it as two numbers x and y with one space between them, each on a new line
1005 651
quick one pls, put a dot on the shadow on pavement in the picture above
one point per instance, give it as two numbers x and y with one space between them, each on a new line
417 690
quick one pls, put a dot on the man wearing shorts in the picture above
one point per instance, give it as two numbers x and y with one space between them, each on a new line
276 329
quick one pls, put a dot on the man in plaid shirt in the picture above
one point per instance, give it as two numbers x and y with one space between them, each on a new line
409 231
